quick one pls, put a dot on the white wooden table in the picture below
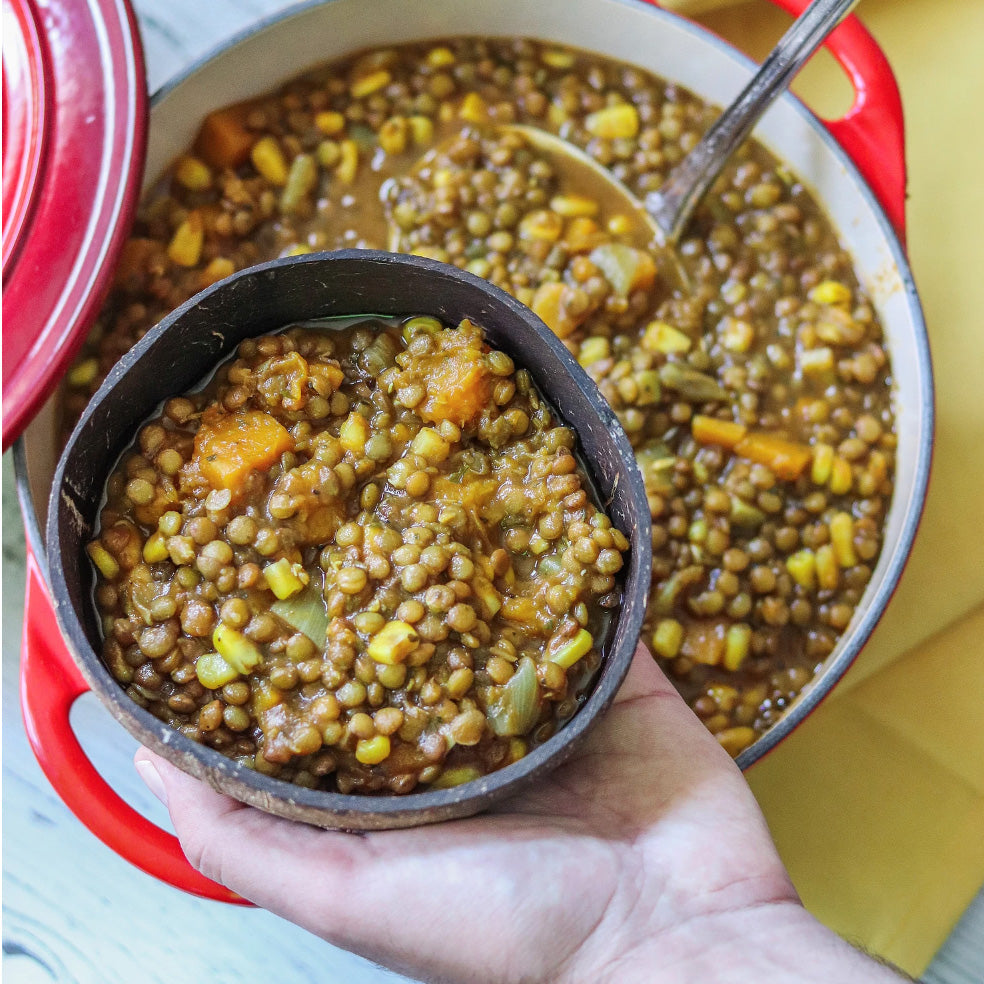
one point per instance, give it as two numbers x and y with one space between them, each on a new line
74 912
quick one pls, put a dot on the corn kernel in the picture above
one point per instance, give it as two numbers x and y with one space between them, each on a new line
421 129
817 361
238 651
284 578
556 115
593 350
667 638
393 643
823 463
354 433
430 445
557 58
474 109
269 160
613 122
487 594
369 84
329 123
619 225
185 248
736 740
574 206
348 162
440 57
802 567
455 777
877 467
541 225
841 477
828 573
155 549
572 651
842 539
431 253
517 749
372 751
213 671
84 372
725 696
737 335
328 153
737 645
393 135
105 562
264 696
831 292
661 336
193 174
170 523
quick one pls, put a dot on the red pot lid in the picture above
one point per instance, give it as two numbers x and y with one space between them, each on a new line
74 135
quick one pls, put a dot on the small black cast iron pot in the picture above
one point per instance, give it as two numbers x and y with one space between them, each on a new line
183 349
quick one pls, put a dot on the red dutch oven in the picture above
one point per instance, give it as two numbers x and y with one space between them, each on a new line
855 165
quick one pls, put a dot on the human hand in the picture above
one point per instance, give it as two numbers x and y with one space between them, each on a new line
644 857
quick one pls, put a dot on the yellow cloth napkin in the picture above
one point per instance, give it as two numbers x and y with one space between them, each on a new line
877 801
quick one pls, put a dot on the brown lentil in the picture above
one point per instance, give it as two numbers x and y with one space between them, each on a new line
776 335
400 642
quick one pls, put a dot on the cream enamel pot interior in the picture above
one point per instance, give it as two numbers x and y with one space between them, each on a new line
635 32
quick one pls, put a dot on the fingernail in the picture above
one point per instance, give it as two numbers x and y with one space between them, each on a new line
152 779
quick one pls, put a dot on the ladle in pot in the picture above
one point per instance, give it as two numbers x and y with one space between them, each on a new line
666 212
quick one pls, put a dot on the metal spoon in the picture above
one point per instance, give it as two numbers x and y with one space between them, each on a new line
665 213
673 204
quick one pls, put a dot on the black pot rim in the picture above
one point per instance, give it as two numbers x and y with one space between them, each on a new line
346 809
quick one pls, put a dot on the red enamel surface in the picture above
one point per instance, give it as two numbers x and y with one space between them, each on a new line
73 84
25 113
50 685
872 132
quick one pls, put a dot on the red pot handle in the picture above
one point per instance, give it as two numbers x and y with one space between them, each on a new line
50 683
872 132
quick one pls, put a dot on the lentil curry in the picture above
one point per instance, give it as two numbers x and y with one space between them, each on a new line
340 586
757 397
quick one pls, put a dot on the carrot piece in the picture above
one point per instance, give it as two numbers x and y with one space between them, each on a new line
458 388
223 140
521 610
552 304
546 306
470 493
787 459
228 446
711 430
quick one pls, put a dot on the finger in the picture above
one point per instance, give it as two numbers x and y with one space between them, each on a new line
347 888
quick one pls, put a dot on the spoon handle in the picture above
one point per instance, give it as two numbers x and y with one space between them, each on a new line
683 189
